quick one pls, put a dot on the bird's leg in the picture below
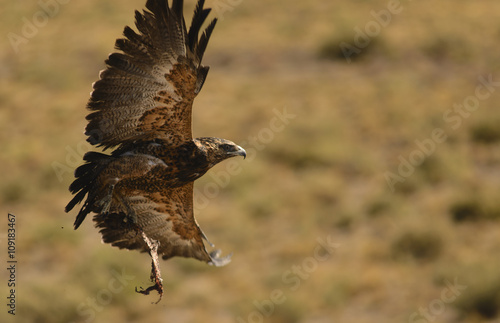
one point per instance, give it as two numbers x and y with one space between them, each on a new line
155 268
131 216
113 192
106 201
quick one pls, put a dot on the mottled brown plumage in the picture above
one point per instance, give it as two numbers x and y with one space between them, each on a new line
142 193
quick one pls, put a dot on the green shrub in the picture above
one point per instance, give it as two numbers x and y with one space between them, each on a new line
421 246
487 132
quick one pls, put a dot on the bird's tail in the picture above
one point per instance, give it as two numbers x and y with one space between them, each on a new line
85 184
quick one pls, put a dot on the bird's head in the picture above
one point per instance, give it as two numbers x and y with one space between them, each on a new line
219 149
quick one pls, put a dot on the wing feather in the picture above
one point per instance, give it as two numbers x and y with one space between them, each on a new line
165 216
148 88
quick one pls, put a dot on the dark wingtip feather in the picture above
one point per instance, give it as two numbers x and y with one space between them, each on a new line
202 75
74 201
205 38
79 218
177 7
84 184
199 17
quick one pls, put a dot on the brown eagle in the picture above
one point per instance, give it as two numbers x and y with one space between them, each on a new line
142 193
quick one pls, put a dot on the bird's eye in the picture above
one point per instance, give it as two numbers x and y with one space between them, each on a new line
225 146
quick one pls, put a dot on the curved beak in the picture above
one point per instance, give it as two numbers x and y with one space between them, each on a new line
239 152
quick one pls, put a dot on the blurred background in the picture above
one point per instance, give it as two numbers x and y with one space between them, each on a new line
371 189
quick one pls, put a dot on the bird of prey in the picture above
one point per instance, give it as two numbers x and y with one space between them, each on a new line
142 192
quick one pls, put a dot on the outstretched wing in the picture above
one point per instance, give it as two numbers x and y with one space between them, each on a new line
147 91
165 216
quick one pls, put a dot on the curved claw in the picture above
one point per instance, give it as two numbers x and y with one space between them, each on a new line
217 260
155 268
157 287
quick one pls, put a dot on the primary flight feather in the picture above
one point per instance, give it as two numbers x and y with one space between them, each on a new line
142 193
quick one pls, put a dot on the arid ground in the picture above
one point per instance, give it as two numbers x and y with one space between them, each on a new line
371 189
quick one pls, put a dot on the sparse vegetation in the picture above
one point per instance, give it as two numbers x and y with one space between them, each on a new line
475 208
482 295
448 48
341 49
469 210
421 246
320 176
486 132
